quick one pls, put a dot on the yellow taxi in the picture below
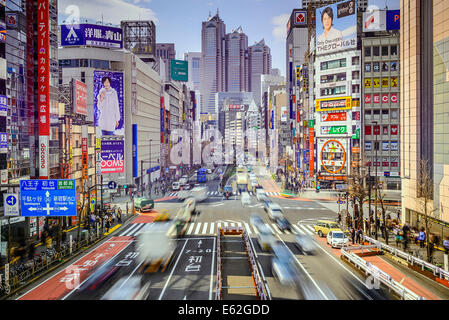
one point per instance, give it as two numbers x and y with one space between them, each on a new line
322 227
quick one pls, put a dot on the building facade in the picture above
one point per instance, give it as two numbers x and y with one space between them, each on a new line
259 63
236 61
167 52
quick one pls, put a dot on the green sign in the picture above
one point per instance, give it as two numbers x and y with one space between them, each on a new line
356 135
179 70
311 123
65 184
338 130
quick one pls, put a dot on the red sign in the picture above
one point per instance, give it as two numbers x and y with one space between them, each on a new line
340 116
376 130
367 130
84 157
385 98
367 98
394 129
298 117
311 153
43 84
376 98
301 17
80 98
394 98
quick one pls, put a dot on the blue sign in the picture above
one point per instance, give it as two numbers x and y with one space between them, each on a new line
153 169
393 19
91 35
48 198
298 159
3 106
112 185
135 174
11 200
3 142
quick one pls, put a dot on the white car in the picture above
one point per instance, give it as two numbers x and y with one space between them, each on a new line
274 210
128 289
265 236
175 186
209 171
245 198
261 195
337 239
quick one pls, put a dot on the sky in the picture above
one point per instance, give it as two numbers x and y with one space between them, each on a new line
179 21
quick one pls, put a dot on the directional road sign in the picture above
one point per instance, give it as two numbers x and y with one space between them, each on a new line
48 198
112 185
11 204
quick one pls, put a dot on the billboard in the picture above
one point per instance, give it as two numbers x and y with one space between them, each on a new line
3 142
336 27
3 106
179 70
333 104
79 97
91 35
393 19
375 21
108 102
340 116
112 156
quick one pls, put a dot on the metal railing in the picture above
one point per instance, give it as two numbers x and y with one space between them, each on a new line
219 267
254 270
381 276
437 271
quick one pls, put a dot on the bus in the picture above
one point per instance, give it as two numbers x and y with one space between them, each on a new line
201 175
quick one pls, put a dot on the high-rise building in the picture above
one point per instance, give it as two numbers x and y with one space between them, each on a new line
424 118
236 61
213 62
259 63
194 62
166 51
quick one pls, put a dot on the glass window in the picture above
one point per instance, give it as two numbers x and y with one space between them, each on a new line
355 88
375 51
394 50
394 114
376 66
385 50
368 52
368 67
384 66
394 66
368 114
385 114
323 65
355 61
376 114
355 75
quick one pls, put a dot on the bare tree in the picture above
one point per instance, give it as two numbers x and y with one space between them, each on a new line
381 200
425 194
358 191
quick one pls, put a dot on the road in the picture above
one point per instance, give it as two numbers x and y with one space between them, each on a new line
191 273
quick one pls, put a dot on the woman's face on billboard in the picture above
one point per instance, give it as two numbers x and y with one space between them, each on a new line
107 84
327 22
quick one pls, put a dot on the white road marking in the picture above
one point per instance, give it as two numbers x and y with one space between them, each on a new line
275 227
212 230
248 230
299 230
204 228
198 228
306 230
190 228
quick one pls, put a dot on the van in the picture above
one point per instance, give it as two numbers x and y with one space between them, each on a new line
323 227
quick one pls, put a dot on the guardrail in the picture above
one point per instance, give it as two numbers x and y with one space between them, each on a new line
381 276
219 286
437 271
255 271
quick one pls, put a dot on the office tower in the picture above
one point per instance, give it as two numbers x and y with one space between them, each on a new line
236 61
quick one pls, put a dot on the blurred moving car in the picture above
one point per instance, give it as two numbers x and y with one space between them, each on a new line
305 244
256 220
323 227
273 210
245 198
209 171
265 236
282 223
337 239
284 266
184 180
175 186
261 195
128 289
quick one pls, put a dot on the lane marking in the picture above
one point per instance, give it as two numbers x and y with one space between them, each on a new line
275 227
190 228
247 228
212 271
198 228
299 230
204 228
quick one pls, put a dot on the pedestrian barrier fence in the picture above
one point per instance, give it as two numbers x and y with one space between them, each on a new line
437 271
379 275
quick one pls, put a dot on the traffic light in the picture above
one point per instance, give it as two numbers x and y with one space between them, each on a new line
125 187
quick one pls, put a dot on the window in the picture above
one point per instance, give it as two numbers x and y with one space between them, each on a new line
394 114
368 52
368 114
367 67
339 63
385 50
385 114
385 130
355 88
376 114
355 75
333 77
83 76
376 145
384 66
333 91
394 50
394 66
375 51
376 66
355 61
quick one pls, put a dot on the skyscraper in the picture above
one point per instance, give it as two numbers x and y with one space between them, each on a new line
259 62
194 61
213 62
166 51
236 61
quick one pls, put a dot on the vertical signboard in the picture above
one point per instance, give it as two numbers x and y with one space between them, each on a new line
3 106
79 97
135 169
43 85
108 102
311 153
112 156
30 75
3 142
133 85
162 119
84 157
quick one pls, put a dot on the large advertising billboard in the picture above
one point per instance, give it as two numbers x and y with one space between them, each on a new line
79 97
333 104
112 156
381 20
108 102
91 35
336 27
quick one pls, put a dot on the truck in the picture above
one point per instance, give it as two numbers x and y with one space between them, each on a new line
242 182
143 204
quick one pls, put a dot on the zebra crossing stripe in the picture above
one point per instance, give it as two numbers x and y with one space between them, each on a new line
276 228
212 231
303 227
299 230
131 230
248 228
204 228
310 228
198 228
190 228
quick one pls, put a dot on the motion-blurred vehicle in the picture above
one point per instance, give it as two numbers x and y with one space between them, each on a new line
265 236
100 276
245 198
273 210
322 227
175 186
284 266
256 220
128 289
143 204
305 244
209 171
198 193
337 239
184 180
240 169
261 195
157 245
282 223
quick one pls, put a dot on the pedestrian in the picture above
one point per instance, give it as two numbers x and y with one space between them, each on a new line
119 215
359 235
421 238
353 235
107 224
405 235
398 237
339 218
